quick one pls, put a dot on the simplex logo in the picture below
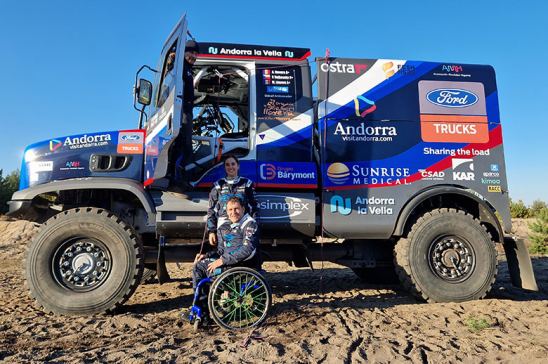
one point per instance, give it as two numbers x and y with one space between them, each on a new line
452 97
281 207
337 67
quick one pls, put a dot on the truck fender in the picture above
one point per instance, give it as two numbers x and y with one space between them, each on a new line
487 212
22 199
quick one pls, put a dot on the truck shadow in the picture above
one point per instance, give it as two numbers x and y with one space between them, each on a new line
334 288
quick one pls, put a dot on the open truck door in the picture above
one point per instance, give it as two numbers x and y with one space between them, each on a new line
166 111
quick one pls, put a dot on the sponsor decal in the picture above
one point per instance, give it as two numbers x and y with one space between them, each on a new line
432 175
451 68
72 166
267 171
363 133
369 106
35 168
341 205
130 143
267 79
338 173
452 97
40 166
439 151
337 67
453 112
494 167
213 50
55 144
277 89
494 189
270 172
463 169
82 141
281 207
369 205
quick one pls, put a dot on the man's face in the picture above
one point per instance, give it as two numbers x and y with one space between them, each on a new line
234 210
191 57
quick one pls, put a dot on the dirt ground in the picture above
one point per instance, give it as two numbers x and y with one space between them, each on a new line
323 316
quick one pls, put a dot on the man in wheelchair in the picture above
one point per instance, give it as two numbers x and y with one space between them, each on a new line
238 245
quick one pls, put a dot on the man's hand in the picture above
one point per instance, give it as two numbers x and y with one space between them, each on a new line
199 257
212 239
216 264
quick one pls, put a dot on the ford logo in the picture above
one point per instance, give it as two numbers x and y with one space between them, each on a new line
131 137
452 97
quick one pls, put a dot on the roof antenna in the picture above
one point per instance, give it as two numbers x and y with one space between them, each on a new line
191 36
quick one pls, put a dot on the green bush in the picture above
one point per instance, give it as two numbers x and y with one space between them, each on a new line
8 185
539 235
519 210
537 206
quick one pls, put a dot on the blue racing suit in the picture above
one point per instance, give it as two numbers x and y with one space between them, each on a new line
222 191
238 245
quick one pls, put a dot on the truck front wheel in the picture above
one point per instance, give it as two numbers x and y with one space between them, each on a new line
447 257
84 261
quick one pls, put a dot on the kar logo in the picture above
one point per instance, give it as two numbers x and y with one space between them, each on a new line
463 169
341 205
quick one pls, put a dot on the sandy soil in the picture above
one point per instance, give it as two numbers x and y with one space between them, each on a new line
323 316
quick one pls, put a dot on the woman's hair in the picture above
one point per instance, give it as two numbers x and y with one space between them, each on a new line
228 156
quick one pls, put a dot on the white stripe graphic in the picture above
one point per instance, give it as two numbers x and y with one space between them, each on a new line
374 77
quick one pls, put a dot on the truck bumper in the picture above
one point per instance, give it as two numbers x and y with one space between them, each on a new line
519 264
19 208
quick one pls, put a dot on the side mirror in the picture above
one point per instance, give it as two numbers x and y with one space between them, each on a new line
144 91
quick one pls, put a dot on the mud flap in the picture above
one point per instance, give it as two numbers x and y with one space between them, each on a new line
519 264
161 270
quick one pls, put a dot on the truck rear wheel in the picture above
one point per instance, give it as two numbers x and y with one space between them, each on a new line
447 257
84 261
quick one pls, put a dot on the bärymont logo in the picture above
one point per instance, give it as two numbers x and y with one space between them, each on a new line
452 97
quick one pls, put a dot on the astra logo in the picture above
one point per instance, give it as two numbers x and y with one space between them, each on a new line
337 67
452 97
54 145
268 171
463 169
341 205
451 68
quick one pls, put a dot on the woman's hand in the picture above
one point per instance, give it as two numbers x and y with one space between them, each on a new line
199 257
212 239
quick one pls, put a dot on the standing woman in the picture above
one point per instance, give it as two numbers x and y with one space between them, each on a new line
225 188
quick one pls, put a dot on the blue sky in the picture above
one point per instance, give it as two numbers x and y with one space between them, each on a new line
68 66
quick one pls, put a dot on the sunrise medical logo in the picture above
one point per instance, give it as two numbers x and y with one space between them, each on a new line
452 97
338 173
463 169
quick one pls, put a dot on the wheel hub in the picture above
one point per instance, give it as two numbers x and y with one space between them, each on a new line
452 259
82 264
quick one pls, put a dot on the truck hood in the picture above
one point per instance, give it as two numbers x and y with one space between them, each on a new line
70 156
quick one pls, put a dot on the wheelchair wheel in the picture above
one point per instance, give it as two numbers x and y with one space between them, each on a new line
239 298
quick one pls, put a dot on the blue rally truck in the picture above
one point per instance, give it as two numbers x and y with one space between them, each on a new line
395 169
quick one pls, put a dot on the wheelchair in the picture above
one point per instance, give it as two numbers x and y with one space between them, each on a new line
238 298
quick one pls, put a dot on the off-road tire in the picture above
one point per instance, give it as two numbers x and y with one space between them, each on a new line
414 256
44 272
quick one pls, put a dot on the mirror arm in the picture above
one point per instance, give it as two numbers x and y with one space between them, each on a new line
142 110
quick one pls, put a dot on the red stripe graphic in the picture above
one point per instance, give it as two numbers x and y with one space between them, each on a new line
495 139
